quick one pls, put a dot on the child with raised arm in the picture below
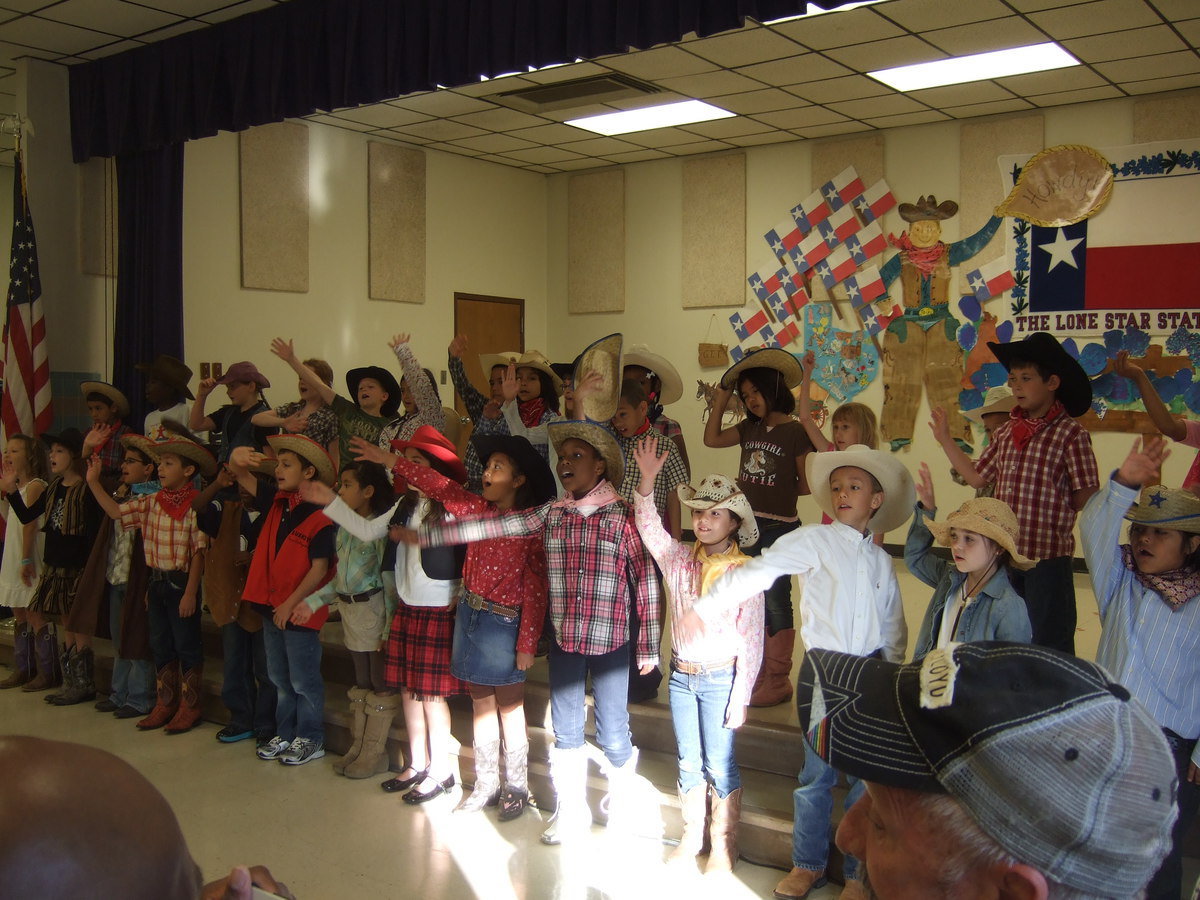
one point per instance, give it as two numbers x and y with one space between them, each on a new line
973 599
1148 593
850 603
25 471
774 447
1177 428
310 416
484 412
711 677
108 407
173 544
660 380
167 392
233 424
1043 467
420 402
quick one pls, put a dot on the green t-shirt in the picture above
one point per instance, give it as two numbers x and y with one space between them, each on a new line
353 422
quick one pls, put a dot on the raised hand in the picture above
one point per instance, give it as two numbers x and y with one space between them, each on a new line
245 458
316 492
457 346
364 450
649 461
924 485
8 478
398 339
1143 465
808 362
509 386
95 438
224 478
1125 368
939 424
92 475
206 387
284 350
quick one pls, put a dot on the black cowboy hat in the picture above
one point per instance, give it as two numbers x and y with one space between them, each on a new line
385 378
535 469
1074 389
71 438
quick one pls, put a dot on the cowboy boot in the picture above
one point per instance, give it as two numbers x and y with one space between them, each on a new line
572 816
358 724
694 806
187 716
515 796
632 802
67 668
776 684
82 683
43 655
24 667
722 832
167 703
486 791
372 759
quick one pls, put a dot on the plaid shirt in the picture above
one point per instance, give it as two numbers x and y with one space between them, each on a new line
667 426
597 566
672 474
111 452
170 543
474 401
1037 482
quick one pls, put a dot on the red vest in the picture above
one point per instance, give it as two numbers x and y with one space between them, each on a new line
275 575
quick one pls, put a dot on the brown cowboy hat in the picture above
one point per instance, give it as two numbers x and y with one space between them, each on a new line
171 371
927 208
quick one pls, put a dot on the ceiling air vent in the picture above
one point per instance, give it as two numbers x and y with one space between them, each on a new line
578 92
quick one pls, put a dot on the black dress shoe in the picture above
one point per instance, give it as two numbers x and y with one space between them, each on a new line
128 712
440 787
105 705
395 785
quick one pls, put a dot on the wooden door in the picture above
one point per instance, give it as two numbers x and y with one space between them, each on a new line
491 325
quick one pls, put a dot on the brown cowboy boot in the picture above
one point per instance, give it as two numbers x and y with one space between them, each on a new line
358 724
776 684
187 716
24 665
168 698
694 806
44 659
372 758
723 832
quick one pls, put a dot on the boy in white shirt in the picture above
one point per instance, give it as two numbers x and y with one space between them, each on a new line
850 602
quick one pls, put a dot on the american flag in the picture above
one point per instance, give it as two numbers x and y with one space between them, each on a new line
25 406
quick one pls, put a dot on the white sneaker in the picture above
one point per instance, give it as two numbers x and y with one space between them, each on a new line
301 751
272 748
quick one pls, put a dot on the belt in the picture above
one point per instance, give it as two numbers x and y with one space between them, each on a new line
165 574
474 601
695 668
359 598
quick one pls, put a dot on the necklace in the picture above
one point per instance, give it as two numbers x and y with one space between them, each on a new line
966 594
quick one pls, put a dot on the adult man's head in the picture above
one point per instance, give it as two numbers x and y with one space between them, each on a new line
79 822
992 769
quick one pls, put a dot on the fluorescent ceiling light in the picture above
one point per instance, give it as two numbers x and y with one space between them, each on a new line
814 10
664 115
977 67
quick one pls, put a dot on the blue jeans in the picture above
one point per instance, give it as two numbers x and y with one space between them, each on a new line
813 814
1049 592
172 637
610 694
132 679
698 705
778 597
294 664
247 690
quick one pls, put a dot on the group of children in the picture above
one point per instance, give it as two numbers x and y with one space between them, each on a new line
447 572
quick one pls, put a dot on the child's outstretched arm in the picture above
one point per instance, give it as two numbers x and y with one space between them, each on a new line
429 403
714 434
287 352
1172 426
110 506
241 461
819 441
197 420
224 478
792 554
939 424
926 566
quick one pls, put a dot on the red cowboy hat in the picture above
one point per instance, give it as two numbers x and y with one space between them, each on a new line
432 442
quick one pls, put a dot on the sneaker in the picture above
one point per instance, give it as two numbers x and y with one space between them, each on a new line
273 748
301 751
231 734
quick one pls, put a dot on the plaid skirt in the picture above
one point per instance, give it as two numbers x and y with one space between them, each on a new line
416 657
55 591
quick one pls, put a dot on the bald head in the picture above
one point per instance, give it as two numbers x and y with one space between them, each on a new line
80 822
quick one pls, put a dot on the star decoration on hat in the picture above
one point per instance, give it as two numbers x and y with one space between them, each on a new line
1157 499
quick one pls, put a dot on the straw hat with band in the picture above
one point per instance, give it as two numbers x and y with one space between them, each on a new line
530 359
140 443
170 371
386 380
668 375
1166 507
766 358
71 438
526 457
119 401
899 494
243 372
265 466
189 450
308 450
431 442
987 516
598 437
603 356
718 492
996 400
1074 389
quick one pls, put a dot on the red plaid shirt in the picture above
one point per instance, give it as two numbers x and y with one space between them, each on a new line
1038 480
170 543
597 566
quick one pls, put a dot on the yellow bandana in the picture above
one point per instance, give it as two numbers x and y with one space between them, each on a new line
714 565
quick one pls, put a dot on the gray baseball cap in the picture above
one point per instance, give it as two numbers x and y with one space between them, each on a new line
1058 764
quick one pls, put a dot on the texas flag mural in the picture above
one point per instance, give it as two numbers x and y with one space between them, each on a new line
842 189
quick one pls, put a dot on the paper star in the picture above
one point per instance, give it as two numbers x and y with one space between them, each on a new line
1061 250
1157 499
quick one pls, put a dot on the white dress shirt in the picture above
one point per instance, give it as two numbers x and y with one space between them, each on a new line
850 599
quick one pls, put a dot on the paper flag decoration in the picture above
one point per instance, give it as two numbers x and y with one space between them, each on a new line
813 249
842 189
839 266
875 201
743 328
813 209
990 280
864 287
868 242
784 238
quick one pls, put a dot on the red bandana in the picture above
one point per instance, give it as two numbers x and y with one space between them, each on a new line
290 499
645 427
532 411
924 258
176 503
1024 428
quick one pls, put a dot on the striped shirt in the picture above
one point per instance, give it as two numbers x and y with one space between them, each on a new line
1145 645
169 543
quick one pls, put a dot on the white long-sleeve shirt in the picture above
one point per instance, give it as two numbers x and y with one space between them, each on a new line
850 600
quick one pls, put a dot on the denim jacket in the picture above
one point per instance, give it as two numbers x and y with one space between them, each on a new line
997 613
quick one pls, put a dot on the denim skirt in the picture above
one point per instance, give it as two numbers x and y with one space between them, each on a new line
485 647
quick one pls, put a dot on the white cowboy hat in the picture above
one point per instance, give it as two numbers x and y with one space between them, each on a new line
104 389
899 494
672 384
719 492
